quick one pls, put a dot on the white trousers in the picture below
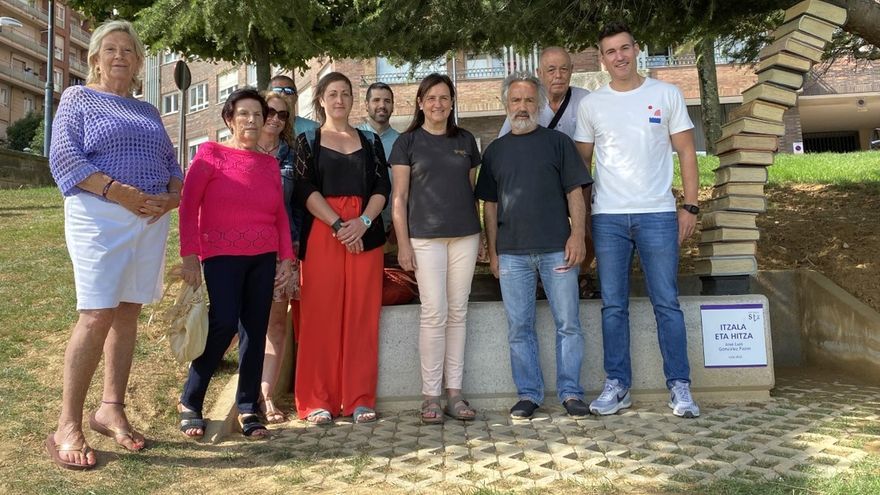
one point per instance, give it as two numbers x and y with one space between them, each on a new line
444 271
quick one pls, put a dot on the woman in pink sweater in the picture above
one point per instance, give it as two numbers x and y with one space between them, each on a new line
233 220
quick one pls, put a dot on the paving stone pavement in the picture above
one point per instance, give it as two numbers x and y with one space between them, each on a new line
811 427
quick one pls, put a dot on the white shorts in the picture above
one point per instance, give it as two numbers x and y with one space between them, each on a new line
116 256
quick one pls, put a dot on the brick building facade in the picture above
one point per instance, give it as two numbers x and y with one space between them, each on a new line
23 56
480 110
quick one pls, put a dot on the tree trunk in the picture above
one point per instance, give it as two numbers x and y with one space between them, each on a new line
862 18
260 52
709 102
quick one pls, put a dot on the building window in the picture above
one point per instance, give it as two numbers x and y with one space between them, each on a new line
387 72
60 10
76 81
27 104
59 47
168 57
224 135
252 75
170 103
483 65
4 97
193 146
198 97
226 84
58 80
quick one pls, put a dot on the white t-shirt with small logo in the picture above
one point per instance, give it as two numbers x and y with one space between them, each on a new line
633 150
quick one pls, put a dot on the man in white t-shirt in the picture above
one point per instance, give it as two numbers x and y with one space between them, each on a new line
633 124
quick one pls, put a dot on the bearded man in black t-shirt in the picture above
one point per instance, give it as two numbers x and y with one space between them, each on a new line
532 181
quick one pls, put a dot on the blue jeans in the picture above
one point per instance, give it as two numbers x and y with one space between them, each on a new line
518 274
655 236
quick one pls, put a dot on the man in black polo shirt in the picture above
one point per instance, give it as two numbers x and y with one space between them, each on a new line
532 182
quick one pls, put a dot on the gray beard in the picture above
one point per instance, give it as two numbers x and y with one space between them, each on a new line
523 125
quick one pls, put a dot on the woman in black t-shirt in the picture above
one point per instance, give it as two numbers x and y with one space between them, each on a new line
342 178
435 218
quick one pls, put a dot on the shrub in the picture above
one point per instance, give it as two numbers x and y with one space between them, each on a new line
20 133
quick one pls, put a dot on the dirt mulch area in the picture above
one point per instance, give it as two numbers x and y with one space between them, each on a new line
834 230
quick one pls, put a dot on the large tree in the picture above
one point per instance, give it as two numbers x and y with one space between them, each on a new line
290 33
261 32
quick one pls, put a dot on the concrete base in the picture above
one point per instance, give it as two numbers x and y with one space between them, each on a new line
488 383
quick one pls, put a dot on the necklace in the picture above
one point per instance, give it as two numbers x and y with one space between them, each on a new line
270 151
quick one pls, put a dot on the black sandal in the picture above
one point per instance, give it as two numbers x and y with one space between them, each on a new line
191 420
250 425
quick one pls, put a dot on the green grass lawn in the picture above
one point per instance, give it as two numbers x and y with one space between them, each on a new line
811 168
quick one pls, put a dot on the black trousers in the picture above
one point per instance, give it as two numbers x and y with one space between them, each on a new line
239 289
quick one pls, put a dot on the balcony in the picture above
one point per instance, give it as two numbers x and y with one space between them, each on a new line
36 48
31 10
77 66
21 76
77 34
484 73
646 61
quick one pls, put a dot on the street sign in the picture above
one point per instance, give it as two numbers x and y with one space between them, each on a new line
182 76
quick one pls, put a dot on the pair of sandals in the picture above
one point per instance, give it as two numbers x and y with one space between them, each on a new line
456 408
250 424
55 450
361 415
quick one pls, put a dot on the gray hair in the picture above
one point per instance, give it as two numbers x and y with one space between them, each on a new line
522 76
98 36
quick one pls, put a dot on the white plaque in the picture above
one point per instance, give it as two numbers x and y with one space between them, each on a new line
733 335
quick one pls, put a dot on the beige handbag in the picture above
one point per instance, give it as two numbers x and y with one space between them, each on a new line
187 331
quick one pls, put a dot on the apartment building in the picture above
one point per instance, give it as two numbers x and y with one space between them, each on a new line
837 110
23 56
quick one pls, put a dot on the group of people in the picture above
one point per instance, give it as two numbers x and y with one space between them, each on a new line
291 214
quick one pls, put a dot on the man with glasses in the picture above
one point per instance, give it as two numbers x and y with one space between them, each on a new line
285 85
560 110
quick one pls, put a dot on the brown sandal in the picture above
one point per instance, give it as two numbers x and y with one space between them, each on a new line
270 412
55 451
460 409
116 433
431 413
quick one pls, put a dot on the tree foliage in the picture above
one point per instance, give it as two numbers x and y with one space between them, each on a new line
20 133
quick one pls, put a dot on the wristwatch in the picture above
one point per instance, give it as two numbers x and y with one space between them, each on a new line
366 220
336 225
693 209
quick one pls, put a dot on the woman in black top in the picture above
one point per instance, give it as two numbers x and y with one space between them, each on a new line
435 218
342 178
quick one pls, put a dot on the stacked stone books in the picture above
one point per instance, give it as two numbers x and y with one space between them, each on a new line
750 139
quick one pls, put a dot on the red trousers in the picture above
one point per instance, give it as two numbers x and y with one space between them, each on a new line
337 360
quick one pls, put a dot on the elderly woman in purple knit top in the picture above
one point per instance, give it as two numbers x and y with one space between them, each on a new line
113 161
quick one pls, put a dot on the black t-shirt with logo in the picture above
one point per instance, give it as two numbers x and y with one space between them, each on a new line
441 199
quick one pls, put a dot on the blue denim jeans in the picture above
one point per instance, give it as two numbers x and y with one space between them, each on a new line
655 236
518 274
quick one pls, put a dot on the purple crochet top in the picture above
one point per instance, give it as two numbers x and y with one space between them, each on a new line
121 137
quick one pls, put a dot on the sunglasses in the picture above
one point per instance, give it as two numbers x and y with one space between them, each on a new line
288 90
282 115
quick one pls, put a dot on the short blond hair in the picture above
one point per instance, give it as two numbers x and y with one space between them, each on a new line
98 36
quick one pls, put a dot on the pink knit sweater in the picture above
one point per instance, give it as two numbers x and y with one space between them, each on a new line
231 204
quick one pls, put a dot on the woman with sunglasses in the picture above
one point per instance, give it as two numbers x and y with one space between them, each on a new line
274 140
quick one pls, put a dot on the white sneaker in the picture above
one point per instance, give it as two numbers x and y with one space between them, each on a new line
681 402
613 398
